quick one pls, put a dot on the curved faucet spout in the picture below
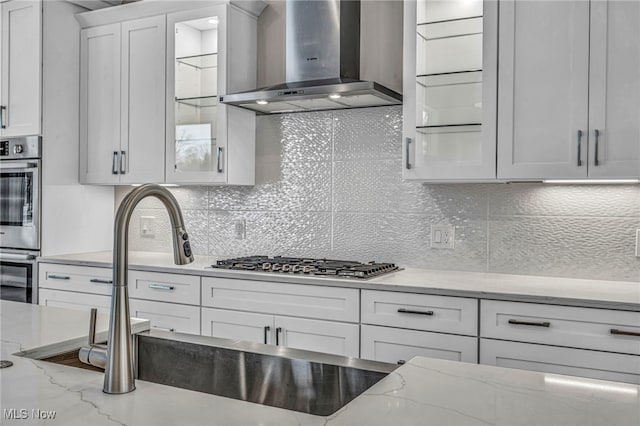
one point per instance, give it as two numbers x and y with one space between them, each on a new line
119 377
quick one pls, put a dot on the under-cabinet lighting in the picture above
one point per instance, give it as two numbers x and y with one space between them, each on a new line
262 102
170 185
213 20
335 96
590 181
590 385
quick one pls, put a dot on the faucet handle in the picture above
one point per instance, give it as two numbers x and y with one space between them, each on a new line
92 326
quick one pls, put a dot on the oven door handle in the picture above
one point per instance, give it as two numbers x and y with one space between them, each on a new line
12 165
14 256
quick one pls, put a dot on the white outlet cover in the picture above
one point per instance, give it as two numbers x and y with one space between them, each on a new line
147 226
443 236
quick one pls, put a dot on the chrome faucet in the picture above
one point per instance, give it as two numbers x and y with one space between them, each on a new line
119 376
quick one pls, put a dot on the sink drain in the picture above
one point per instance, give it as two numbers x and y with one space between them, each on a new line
5 364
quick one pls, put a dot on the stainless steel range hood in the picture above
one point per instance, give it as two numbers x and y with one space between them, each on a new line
339 54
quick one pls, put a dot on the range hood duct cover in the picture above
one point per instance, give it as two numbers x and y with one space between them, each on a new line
323 60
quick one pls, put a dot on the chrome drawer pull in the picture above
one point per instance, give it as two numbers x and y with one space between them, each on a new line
58 277
163 328
162 287
99 281
535 324
624 333
409 311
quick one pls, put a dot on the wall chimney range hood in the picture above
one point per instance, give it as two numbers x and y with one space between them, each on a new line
339 54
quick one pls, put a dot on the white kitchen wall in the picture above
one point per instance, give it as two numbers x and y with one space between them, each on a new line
329 184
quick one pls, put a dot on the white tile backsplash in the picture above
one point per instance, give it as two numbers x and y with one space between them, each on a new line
330 184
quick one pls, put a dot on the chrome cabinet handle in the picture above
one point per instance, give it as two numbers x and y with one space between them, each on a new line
624 333
532 323
122 157
266 333
409 311
219 159
407 162
114 163
163 328
2 110
162 287
58 277
99 281
579 148
278 331
596 161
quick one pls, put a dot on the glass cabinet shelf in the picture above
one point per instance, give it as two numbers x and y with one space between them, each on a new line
199 101
204 61
449 99
447 10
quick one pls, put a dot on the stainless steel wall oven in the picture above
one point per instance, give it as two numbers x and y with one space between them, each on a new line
20 167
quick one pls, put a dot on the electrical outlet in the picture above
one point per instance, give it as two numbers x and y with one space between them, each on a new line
442 236
148 226
240 229
637 242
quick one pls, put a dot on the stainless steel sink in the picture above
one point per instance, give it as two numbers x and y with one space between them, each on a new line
297 380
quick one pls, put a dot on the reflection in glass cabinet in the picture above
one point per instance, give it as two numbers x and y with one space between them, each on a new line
196 94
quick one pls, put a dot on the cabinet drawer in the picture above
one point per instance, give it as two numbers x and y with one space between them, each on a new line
587 328
320 336
311 301
172 288
167 316
551 359
456 315
75 278
237 325
396 345
71 300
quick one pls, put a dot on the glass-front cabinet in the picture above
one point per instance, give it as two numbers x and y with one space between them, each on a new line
450 72
199 128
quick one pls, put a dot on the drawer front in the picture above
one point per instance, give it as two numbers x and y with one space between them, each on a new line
586 328
457 315
310 301
237 325
167 316
75 278
330 337
71 300
551 359
397 345
172 288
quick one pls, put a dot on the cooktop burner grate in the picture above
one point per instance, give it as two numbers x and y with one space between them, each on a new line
307 266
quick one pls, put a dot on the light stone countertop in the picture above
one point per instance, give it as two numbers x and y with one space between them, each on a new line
623 295
422 392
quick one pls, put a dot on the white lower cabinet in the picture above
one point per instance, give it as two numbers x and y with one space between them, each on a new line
73 300
559 360
395 345
298 333
167 316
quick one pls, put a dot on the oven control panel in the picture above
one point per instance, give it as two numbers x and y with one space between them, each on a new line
20 148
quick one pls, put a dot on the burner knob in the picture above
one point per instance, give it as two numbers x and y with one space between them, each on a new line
286 267
266 266
295 268
276 267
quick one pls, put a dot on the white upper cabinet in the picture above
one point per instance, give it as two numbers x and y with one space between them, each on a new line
450 73
122 84
569 95
21 63
211 52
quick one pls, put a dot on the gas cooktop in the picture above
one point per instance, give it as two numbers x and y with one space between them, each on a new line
307 266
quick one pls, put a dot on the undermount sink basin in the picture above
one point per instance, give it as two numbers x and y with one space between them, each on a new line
296 380
292 379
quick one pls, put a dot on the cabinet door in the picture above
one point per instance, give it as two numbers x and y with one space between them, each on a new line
396 345
100 104
552 359
543 89
142 100
450 77
77 301
167 316
319 336
237 325
21 68
614 94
